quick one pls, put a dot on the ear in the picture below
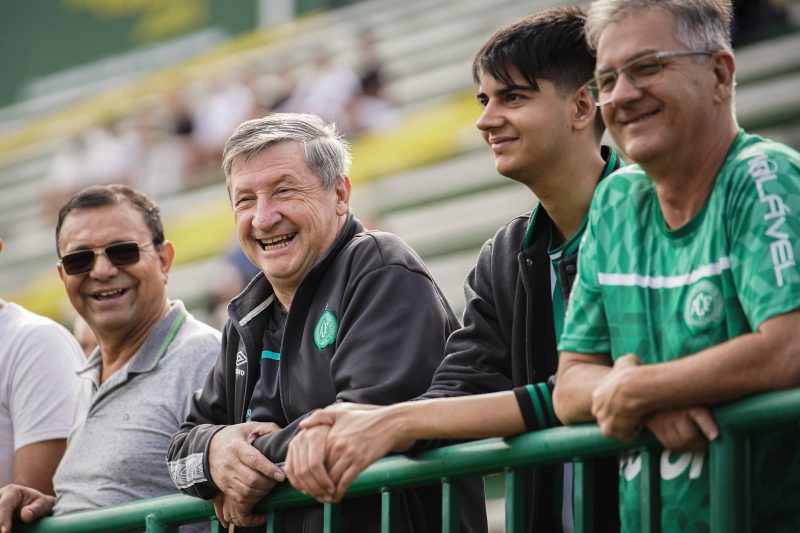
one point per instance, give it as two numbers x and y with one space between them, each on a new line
342 189
60 270
724 70
583 109
166 254
1 245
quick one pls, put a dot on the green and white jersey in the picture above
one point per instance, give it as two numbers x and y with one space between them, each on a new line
663 294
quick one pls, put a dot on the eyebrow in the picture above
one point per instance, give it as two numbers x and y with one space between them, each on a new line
505 89
634 57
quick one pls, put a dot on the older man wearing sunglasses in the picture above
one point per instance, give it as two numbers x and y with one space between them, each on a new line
151 356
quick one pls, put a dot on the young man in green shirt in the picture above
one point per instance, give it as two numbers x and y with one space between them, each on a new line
688 288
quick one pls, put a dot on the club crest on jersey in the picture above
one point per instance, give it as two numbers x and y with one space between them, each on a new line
702 309
326 329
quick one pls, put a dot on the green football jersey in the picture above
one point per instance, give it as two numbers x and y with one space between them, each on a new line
663 294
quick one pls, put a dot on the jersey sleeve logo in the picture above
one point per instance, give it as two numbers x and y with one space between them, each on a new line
325 330
702 309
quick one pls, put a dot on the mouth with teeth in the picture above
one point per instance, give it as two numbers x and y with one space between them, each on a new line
109 294
640 118
276 243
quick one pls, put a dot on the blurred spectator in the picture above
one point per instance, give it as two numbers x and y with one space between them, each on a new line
326 91
38 387
225 104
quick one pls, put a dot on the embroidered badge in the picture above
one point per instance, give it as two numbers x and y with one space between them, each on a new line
325 330
702 309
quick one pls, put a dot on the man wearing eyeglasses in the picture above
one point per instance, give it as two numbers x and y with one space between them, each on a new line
688 288
151 357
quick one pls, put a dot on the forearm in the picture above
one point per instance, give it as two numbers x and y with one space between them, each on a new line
578 377
468 417
747 365
35 464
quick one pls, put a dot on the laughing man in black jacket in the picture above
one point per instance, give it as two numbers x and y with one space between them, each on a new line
544 131
338 313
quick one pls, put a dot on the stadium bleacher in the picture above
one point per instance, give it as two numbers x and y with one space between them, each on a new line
429 179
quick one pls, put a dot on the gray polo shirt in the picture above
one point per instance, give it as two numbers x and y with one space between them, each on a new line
116 448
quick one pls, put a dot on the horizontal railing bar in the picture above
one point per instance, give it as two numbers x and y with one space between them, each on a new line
461 460
171 509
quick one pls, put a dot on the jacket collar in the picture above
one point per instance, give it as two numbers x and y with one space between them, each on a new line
539 220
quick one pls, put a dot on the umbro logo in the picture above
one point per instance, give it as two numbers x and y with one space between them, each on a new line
240 359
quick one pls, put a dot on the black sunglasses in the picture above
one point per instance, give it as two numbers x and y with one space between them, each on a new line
119 254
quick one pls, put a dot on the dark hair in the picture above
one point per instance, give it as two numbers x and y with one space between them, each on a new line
550 45
104 195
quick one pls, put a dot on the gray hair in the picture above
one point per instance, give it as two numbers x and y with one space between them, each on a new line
700 25
325 151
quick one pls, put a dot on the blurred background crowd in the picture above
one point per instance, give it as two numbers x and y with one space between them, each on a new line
147 94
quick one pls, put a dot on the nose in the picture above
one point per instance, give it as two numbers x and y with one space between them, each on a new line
490 118
103 268
623 92
267 213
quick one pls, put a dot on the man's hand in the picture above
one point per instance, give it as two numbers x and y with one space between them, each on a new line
231 513
683 430
359 436
238 468
305 463
616 412
26 503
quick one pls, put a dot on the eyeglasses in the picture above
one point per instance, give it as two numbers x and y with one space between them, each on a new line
119 254
640 72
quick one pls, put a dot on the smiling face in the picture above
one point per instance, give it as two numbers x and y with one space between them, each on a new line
115 301
524 127
652 124
286 222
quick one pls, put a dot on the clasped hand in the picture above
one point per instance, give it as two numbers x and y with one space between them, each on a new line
241 472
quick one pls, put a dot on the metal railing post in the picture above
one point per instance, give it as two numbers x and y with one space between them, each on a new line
650 485
331 518
515 501
730 483
583 496
390 515
154 525
451 506
274 520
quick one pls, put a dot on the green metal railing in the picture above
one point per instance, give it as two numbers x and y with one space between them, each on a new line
729 478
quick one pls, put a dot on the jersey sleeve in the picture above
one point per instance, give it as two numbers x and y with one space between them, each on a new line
585 324
44 385
765 231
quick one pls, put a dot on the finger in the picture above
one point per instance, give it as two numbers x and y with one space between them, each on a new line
258 429
10 499
218 510
702 417
254 460
38 507
344 483
315 468
318 418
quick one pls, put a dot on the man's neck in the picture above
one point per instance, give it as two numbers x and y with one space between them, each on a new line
2 303
684 183
116 351
566 190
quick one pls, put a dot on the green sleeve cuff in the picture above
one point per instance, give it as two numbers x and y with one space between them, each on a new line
536 405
